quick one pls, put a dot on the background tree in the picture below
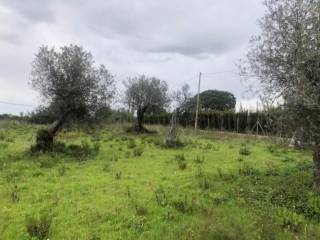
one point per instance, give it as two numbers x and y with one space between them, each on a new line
181 97
286 59
214 100
70 85
144 94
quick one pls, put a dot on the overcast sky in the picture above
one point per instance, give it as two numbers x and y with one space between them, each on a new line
170 39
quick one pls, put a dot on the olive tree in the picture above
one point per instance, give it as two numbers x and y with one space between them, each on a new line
70 85
285 57
181 97
143 94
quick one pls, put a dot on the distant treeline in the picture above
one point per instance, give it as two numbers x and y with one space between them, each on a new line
262 123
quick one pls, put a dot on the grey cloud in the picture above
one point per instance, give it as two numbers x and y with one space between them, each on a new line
33 10
169 39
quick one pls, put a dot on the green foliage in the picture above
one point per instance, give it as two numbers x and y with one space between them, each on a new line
161 197
180 159
119 196
14 194
244 150
217 100
183 203
290 220
131 143
138 151
62 170
118 175
38 225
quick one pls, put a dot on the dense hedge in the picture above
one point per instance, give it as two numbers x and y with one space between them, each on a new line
242 122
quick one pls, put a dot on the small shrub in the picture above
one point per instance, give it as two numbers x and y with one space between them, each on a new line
239 159
96 147
141 210
127 154
118 175
244 150
14 194
83 151
138 151
2 135
246 170
313 206
37 173
131 143
272 148
290 220
38 226
199 160
62 170
199 172
226 176
161 197
183 204
204 183
180 157
182 165
181 161
114 158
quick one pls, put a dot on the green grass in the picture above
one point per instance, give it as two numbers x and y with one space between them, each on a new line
134 188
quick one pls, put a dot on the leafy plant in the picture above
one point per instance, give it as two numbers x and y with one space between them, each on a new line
118 175
181 161
244 150
14 194
161 197
38 226
138 151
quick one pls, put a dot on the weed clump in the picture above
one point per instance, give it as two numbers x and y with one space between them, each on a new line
38 226
183 204
14 194
62 170
290 220
199 160
244 150
161 197
138 151
204 183
181 161
131 143
246 170
118 175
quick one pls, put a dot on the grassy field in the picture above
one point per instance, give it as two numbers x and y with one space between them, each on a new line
108 184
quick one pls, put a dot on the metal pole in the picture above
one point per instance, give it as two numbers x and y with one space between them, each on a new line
198 100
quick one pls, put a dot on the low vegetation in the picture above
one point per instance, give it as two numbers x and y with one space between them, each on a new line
110 184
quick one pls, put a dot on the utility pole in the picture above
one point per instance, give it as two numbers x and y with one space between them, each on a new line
198 100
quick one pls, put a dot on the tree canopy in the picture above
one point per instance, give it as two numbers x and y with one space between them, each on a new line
69 83
286 59
144 94
214 100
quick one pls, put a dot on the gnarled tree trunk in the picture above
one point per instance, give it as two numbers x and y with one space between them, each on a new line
44 141
140 115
